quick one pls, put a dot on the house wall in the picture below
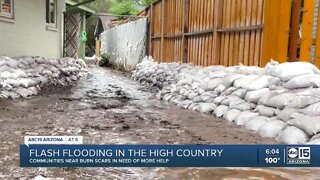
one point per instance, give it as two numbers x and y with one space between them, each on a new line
125 45
28 35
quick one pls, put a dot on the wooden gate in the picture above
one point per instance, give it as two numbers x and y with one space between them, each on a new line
305 32
72 24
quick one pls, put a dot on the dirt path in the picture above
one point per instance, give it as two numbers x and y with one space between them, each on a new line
109 108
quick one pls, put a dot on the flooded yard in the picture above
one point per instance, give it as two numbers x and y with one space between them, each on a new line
109 108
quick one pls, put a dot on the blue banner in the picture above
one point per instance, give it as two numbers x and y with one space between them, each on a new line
169 156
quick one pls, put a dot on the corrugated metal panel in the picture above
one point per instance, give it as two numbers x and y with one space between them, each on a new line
314 32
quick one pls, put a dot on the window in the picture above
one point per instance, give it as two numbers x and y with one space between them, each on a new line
51 12
6 8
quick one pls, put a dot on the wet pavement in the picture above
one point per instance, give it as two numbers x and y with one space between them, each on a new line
109 108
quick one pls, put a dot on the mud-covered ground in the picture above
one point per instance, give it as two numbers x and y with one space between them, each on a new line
109 108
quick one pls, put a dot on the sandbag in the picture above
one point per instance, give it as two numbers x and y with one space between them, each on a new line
228 80
245 81
221 110
259 83
4 68
254 96
286 114
220 88
219 99
240 93
206 107
257 122
312 110
287 71
235 100
245 106
272 129
217 74
303 81
314 142
309 124
229 91
281 100
300 102
292 135
213 83
244 117
231 115
265 111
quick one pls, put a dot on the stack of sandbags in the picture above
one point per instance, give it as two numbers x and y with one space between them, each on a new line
280 101
25 76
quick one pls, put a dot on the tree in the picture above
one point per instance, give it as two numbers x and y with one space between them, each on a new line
123 7
147 2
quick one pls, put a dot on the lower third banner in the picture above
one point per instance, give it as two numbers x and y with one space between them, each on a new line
169 156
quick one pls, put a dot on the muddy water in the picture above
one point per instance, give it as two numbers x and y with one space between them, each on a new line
109 108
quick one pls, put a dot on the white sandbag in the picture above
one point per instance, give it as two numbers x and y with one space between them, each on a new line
245 81
208 96
4 68
314 142
18 74
312 110
221 110
292 135
240 93
206 107
267 96
213 83
12 63
259 83
265 111
217 74
250 70
245 106
231 115
23 92
219 99
234 99
254 96
229 91
300 102
309 92
13 82
303 81
244 117
309 124
257 122
229 79
272 129
287 71
281 100
286 114
184 104
167 97
192 95
220 88
5 75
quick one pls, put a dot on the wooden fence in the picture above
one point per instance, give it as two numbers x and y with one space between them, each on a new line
209 32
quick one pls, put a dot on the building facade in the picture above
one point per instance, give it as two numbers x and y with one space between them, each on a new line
32 28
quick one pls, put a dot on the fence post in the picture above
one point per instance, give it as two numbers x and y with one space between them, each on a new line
276 30
150 29
317 50
295 21
307 26
185 30
162 29
218 10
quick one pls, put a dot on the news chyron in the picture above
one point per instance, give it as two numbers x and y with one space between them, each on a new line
70 151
